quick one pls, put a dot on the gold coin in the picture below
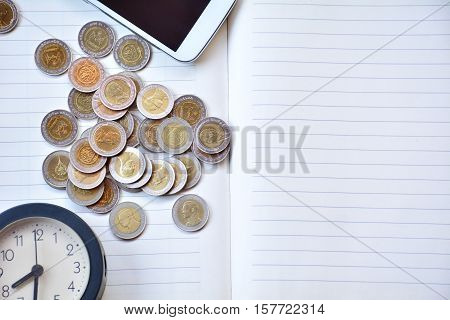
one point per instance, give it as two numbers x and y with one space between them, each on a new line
102 111
80 105
86 74
96 38
86 181
180 175
59 128
162 180
190 213
193 167
53 57
84 158
132 53
128 167
107 138
175 135
54 169
109 199
118 92
212 135
84 197
8 16
147 133
133 140
189 108
127 221
155 101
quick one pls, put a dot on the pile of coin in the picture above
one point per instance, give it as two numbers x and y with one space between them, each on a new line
144 138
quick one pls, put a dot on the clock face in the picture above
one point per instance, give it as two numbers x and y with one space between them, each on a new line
48 254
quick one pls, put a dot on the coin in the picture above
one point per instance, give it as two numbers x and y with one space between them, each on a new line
109 199
162 180
124 187
96 39
132 53
80 104
146 177
86 181
86 133
180 175
175 135
8 16
127 221
129 166
84 197
54 169
212 135
133 140
155 101
211 158
118 92
193 167
190 213
108 138
190 108
84 159
53 57
127 122
59 128
86 74
103 112
147 135
136 79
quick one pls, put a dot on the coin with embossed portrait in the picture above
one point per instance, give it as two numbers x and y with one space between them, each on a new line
129 166
54 169
155 101
212 135
86 181
162 180
145 178
59 128
109 199
147 135
84 158
127 221
108 138
118 92
211 158
83 197
9 16
175 135
193 167
132 53
96 39
86 74
103 112
53 57
80 104
180 175
190 213
190 108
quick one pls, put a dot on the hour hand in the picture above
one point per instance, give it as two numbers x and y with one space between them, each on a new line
36 271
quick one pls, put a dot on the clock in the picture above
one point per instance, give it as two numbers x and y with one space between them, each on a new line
49 253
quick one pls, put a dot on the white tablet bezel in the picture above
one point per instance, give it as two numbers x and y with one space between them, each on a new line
198 38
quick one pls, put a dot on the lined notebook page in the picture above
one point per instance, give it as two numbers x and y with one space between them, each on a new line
371 218
164 263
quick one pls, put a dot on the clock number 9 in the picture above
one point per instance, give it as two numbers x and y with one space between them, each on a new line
1 272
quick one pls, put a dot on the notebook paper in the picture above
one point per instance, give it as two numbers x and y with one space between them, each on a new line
164 263
363 211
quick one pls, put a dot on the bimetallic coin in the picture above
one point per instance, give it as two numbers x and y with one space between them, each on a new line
86 74
189 108
86 133
8 16
155 101
86 181
162 180
84 197
80 104
175 135
145 178
109 199
129 166
108 138
118 92
124 187
59 128
127 221
147 135
193 167
136 79
54 169
132 53
84 158
133 139
190 213
103 112
127 122
212 135
209 158
53 57
180 175
96 39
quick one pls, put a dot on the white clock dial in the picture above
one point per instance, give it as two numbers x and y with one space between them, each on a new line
60 253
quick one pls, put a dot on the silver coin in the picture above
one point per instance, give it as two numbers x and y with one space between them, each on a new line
145 178
118 92
133 139
162 180
83 197
86 133
80 104
59 128
84 158
96 39
211 158
86 74
127 221
109 199
155 101
9 16
108 138
180 175
147 133
136 79
129 166
175 135
132 53
86 181
54 169
53 57
190 213
193 167
212 135
103 112
190 108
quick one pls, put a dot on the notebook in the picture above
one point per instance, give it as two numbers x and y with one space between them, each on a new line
338 182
